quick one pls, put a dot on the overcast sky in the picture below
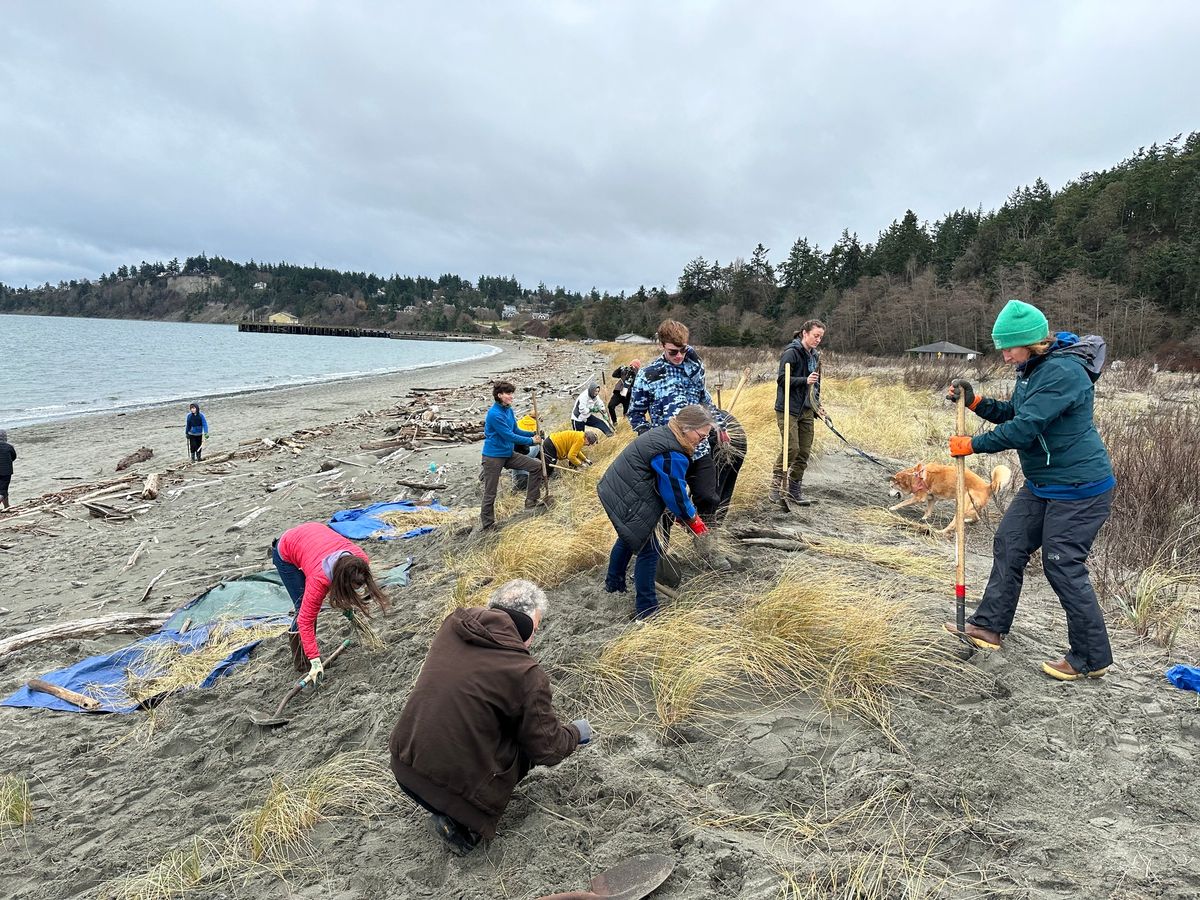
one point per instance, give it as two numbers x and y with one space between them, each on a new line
603 143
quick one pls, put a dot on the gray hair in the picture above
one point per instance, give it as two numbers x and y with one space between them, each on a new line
522 596
693 417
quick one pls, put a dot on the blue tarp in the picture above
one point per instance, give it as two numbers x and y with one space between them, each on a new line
1186 678
258 599
360 524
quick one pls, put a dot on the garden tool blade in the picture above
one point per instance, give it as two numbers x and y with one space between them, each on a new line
631 880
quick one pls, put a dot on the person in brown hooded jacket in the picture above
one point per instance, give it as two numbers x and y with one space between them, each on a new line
479 717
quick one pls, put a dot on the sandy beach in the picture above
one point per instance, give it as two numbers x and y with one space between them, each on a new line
1011 785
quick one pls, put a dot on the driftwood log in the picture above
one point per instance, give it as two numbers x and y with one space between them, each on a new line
83 701
104 511
83 628
139 455
152 486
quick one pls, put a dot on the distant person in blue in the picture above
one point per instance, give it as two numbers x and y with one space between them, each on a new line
1068 484
196 429
500 438
7 454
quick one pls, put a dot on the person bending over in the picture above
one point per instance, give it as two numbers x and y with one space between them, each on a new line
479 717
588 411
316 563
625 376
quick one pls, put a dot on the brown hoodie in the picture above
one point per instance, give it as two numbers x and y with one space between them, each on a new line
479 717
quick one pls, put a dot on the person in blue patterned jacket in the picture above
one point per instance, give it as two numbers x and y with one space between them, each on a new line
664 387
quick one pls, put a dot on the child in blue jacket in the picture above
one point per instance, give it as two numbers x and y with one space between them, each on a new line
500 436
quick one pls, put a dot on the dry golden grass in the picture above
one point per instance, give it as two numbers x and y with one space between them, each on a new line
851 642
421 518
274 836
179 872
569 538
900 559
1157 601
16 807
167 669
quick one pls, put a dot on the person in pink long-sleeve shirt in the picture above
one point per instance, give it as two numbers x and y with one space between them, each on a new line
315 562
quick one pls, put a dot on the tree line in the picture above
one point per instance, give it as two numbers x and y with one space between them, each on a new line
1115 252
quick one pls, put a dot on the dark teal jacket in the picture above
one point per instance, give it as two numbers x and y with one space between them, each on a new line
1049 419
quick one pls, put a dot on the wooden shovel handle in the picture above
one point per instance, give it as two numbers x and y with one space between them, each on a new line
960 526
75 699
738 392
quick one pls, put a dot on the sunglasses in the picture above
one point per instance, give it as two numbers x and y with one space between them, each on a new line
674 351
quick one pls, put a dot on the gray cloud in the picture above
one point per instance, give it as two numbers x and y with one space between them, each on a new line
583 144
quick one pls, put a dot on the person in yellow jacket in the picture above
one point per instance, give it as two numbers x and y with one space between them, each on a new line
569 445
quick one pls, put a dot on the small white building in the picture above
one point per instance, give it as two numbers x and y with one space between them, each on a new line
540 316
260 285
633 339
508 312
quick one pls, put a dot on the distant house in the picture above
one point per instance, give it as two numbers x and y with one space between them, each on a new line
540 316
508 312
940 350
633 339
283 318
260 285
380 292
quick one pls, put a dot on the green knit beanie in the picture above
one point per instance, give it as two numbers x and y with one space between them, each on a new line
1019 325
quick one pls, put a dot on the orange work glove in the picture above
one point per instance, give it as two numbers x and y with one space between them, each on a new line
960 445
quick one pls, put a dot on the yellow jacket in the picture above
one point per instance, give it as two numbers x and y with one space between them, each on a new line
569 445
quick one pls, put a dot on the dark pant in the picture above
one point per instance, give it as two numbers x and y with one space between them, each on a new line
593 422
646 597
800 441
728 459
293 582
621 400
5 480
490 475
194 443
702 483
1064 529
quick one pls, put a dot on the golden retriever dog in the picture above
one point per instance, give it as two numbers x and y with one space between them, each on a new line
929 482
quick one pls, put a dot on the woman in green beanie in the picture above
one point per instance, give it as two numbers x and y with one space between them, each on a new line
1068 483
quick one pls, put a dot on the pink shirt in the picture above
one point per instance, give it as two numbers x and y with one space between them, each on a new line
313 548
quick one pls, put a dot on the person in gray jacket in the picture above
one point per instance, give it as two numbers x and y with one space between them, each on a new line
650 476
8 454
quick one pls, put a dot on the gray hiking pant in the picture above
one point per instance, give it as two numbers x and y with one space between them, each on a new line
490 476
1064 529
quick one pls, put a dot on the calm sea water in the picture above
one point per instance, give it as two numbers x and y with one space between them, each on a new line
55 368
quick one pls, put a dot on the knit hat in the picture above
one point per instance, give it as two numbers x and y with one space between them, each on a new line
1019 325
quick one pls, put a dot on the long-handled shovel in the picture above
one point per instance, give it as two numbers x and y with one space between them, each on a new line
279 718
738 392
631 880
960 526
785 492
542 455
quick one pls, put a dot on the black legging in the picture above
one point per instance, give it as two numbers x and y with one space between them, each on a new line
620 400
194 443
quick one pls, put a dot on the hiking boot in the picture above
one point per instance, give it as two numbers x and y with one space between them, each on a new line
976 636
1064 671
795 495
460 839
776 492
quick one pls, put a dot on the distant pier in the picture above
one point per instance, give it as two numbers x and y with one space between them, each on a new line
346 331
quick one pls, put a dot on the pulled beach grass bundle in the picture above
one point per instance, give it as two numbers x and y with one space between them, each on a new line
436 518
16 807
166 667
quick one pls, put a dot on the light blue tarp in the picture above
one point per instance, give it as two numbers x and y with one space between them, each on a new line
360 524
247 601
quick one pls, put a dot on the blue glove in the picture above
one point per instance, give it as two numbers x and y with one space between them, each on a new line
585 731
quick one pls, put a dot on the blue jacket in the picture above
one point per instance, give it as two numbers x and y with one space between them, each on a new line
1049 420
662 389
648 476
500 432
195 424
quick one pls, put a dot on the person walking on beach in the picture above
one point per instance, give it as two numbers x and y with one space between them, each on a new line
196 429
479 717
1068 486
588 411
625 376
8 454
501 436
664 387
648 478
316 563
805 391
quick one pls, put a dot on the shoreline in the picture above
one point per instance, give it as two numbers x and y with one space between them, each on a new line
88 446
238 392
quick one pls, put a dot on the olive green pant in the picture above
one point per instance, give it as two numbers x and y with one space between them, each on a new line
799 443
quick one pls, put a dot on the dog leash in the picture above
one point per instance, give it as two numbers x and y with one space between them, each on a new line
864 454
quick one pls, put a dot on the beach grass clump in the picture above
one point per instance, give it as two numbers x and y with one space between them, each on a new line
167 667
573 535
852 642
179 872
16 806
900 559
274 836
1157 601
